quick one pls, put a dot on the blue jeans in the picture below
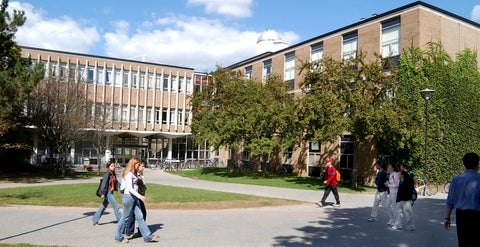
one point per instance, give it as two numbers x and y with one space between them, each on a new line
131 220
131 209
108 199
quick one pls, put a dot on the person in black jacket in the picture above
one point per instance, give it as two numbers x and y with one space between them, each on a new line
382 190
404 203
108 186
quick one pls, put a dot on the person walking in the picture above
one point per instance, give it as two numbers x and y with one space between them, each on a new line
130 231
330 183
130 202
382 190
464 197
404 209
393 183
107 187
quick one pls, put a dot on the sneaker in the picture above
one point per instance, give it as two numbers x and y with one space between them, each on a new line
390 223
130 236
337 205
396 228
154 239
372 219
124 241
320 204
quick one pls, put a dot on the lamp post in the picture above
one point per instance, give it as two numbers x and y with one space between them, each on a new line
426 96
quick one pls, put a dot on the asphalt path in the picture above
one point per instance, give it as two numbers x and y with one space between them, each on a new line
299 225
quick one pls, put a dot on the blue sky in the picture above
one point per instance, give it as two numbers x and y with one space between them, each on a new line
199 34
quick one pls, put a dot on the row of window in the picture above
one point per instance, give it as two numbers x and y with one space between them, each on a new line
120 78
390 47
139 114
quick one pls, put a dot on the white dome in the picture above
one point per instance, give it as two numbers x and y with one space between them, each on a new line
270 41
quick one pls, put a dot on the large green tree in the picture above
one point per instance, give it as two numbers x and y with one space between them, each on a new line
453 112
234 112
17 78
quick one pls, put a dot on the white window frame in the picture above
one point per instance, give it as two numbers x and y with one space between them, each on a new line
289 66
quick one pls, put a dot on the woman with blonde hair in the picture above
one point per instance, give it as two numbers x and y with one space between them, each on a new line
130 200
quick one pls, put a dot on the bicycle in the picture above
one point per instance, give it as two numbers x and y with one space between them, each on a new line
425 188
446 187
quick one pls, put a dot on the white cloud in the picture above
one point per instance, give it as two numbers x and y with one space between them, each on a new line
193 42
228 8
476 13
62 33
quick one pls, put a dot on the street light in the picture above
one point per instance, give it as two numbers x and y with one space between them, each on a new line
426 95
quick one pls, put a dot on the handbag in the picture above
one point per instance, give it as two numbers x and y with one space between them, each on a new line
99 188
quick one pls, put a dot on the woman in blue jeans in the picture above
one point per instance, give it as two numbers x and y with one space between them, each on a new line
130 200
108 186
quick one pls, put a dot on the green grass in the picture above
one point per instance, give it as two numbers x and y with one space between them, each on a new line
220 174
159 196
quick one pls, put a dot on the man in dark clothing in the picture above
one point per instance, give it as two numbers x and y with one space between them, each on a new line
382 190
404 203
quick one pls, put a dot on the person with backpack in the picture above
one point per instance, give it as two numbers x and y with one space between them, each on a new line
108 185
382 190
404 209
330 183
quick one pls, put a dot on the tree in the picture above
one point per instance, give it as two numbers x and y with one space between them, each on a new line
234 112
453 111
57 108
17 78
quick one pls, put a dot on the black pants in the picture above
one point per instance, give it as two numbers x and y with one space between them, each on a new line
467 228
334 190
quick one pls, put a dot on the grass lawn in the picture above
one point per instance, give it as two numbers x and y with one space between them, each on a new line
220 174
159 197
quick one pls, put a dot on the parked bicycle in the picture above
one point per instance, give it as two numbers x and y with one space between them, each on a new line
425 188
446 187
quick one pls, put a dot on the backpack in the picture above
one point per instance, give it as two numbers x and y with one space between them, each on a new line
414 194
338 176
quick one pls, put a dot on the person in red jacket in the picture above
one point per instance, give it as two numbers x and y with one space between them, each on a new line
330 183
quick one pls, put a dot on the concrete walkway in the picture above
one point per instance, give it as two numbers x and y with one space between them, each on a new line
298 225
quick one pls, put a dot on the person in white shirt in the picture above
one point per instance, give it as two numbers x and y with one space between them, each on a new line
393 182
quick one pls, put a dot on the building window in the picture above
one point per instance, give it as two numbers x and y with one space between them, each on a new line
63 72
151 81
157 115
391 38
267 69
290 69
133 114
180 117
347 148
350 42
187 117
134 79
189 85
141 110
124 113
172 117
125 79
82 73
165 82
174 84
116 113
149 115
108 77
99 76
248 72
164 115
158 82
181 84
91 70
316 52
142 80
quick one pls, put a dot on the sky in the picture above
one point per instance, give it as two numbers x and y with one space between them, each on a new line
199 34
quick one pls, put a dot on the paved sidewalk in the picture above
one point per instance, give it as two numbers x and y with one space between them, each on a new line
298 225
